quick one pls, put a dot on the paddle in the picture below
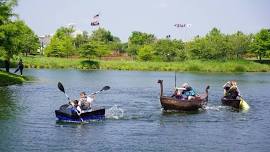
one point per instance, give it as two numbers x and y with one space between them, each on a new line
61 88
103 89
243 104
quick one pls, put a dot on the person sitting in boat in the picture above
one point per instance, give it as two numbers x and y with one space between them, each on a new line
85 101
231 90
188 92
75 107
178 93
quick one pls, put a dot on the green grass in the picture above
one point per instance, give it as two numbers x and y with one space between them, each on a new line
190 65
10 79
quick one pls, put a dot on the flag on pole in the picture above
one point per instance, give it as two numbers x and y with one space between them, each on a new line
182 25
95 20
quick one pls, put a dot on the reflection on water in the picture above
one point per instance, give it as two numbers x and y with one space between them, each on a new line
9 108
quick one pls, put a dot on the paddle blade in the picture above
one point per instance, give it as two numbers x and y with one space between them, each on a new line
105 88
61 87
243 104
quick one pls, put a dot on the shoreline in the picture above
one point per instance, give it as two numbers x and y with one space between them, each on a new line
184 66
230 66
7 79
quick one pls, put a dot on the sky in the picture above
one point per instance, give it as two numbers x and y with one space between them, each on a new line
158 17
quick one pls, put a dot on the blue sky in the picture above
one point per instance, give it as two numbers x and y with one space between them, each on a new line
158 17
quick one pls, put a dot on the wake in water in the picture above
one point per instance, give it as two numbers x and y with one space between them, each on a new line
215 108
114 113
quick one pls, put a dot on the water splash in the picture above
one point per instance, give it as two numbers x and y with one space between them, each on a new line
114 113
215 108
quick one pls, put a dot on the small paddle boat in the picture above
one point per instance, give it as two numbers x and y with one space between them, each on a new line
68 114
170 103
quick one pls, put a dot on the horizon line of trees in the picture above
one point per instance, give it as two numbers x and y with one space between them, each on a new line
17 38
215 45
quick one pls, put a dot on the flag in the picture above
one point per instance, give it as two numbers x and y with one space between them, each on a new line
182 25
95 20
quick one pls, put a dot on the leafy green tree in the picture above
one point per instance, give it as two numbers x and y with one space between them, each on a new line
137 40
213 46
6 13
102 48
16 37
261 43
81 39
61 44
239 44
88 51
102 35
30 42
146 53
94 49
170 50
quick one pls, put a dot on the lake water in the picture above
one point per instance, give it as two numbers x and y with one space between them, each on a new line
134 119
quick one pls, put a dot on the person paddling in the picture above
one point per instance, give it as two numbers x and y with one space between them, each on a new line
231 90
85 101
75 107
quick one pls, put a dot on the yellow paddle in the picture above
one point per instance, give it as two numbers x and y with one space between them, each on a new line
243 104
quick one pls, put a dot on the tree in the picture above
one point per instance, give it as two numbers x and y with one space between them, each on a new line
81 39
30 42
14 38
102 35
261 43
239 44
137 40
88 50
61 43
170 50
146 53
6 13
5 18
213 46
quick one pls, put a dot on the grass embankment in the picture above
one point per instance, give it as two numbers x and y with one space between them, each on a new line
10 79
191 65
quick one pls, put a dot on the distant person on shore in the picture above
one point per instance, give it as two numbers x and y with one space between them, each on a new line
19 67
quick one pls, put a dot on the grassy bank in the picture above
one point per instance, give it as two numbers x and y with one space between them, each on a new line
191 65
10 79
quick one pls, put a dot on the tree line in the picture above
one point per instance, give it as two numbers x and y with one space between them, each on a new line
215 45
17 38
